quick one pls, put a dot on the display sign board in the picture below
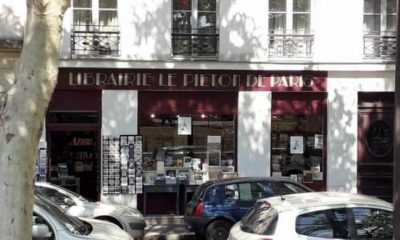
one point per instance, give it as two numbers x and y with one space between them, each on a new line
296 145
177 79
184 126
122 171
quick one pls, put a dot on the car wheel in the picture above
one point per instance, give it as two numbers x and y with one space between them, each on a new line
218 230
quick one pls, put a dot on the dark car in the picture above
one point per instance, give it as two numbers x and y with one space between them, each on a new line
217 205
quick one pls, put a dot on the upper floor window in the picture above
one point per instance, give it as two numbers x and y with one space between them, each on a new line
289 28
95 28
380 20
194 28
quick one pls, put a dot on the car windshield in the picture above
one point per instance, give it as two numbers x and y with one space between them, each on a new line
73 224
260 219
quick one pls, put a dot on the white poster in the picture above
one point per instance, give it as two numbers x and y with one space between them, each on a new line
184 126
296 145
318 141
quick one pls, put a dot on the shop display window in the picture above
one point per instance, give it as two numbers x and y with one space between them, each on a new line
211 144
297 147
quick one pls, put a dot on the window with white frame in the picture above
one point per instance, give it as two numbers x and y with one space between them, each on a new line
380 22
194 27
95 27
290 28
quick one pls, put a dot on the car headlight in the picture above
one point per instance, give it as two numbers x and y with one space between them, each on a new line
132 213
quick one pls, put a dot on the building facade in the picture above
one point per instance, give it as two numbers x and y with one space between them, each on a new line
296 88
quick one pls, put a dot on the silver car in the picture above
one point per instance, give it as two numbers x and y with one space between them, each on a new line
52 223
129 219
316 216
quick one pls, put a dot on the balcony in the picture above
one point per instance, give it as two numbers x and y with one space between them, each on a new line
195 43
291 45
380 45
95 41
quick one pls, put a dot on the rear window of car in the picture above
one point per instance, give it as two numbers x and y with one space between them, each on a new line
260 219
200 191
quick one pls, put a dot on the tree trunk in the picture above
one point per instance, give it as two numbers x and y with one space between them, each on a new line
22 112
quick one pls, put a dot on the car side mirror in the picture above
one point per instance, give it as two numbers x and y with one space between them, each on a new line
69 202
40 231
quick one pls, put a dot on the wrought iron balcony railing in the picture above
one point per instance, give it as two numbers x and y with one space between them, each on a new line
291 45
195 42
380 45
95 41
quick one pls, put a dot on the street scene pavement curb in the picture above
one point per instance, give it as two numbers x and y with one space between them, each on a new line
168 232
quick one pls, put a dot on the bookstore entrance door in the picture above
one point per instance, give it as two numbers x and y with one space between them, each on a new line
375 144
74 161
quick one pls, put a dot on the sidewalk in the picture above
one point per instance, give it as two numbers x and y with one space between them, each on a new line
166 227
168 232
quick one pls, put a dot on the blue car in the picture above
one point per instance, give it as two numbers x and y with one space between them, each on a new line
217 205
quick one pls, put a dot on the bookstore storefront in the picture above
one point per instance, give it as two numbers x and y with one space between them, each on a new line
130 135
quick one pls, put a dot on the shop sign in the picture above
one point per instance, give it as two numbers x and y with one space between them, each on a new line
146 79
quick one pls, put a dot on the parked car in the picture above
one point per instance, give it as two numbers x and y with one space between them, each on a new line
50 222
316 216
217 205
129 219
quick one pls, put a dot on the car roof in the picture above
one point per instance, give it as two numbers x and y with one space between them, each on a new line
321 199
250 179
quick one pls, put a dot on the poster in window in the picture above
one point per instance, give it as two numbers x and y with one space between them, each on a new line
184 126
307 176
318 141
296 145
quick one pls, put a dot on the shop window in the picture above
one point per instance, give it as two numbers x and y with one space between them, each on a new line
197 157
289 26
297 147
298 137
194 28
380 21
72 117
162 140
188 135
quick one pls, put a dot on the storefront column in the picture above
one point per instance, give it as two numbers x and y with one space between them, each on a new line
254 134
119 117
342 135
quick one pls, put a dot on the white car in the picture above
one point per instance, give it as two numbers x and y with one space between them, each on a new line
129 219
316 216
50 222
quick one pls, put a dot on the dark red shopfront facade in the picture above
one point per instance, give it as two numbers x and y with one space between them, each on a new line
211 96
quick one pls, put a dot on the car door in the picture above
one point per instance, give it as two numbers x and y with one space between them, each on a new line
240 197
